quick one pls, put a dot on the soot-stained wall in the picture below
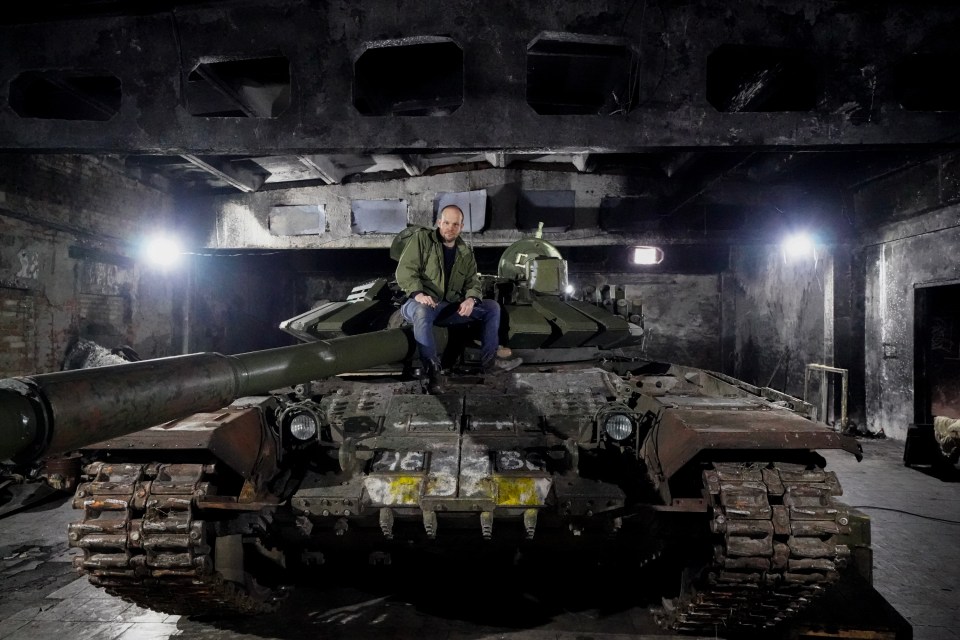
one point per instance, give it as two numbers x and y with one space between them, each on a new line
910 255
238 302
779 309
681 314
912 222
69 227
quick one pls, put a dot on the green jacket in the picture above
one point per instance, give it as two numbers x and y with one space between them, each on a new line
420 268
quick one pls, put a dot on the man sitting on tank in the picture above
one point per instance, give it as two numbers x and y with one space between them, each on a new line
438 272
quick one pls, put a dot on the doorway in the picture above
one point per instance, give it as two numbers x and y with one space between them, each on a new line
937 352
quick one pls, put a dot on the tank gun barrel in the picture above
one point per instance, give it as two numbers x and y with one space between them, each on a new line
57 412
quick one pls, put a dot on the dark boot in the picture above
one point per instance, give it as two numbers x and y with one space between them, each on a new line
434 377
495 366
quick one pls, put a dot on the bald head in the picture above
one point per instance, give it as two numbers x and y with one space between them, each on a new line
453 210
450 224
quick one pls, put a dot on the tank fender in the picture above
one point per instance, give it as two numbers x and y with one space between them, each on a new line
679 433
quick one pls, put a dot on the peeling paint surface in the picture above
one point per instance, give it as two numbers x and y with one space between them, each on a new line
394 491
462 470
475 469
530 492
29 264
442 478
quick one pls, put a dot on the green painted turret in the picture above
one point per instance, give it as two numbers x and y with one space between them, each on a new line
541 317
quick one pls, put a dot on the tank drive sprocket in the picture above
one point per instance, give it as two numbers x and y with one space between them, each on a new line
144 540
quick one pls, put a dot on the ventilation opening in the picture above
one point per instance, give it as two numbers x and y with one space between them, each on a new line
65 95
750 78
250 88
378 216
570 76
297 220
924 82
418 79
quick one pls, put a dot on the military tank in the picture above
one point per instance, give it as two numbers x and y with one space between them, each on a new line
200 494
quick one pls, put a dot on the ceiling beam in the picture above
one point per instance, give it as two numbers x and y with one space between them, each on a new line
325 169
583 162
239 177
414 164
671 112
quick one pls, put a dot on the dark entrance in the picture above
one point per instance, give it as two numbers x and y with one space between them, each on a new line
937 353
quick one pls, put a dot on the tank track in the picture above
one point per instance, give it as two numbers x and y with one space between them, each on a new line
140 540
775 532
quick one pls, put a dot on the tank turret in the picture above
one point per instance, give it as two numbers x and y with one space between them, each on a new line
541 320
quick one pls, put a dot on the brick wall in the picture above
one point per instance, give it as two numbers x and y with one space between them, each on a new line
69 229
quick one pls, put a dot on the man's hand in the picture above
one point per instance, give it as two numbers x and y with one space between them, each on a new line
423 298
466 307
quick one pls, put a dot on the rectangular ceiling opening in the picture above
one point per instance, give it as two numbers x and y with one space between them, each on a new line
65 94
756 78
926 82
247 88
417 77
569 74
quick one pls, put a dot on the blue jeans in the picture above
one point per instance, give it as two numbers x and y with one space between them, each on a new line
423 318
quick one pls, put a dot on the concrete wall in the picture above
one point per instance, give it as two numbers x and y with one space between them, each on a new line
238 302
911 231
782 315
907 255
682 315
68 230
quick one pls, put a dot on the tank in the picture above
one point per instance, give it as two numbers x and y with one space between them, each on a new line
209 479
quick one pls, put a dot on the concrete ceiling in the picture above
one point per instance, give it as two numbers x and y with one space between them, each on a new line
701 103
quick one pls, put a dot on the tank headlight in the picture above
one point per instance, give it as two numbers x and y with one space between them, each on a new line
618 426
303 426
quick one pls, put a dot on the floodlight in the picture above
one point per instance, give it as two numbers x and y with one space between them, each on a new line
799 246
647 255
162 251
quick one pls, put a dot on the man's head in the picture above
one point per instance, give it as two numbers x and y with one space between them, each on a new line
450 223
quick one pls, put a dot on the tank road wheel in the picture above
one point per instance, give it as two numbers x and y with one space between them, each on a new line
143 541
775 531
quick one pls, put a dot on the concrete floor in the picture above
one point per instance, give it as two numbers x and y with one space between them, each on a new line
916 565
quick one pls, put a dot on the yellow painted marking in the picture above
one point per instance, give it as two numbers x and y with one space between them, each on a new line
516 492
399 490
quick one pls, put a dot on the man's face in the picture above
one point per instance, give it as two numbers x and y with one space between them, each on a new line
450 224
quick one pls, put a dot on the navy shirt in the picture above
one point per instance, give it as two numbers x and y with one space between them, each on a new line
449 255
